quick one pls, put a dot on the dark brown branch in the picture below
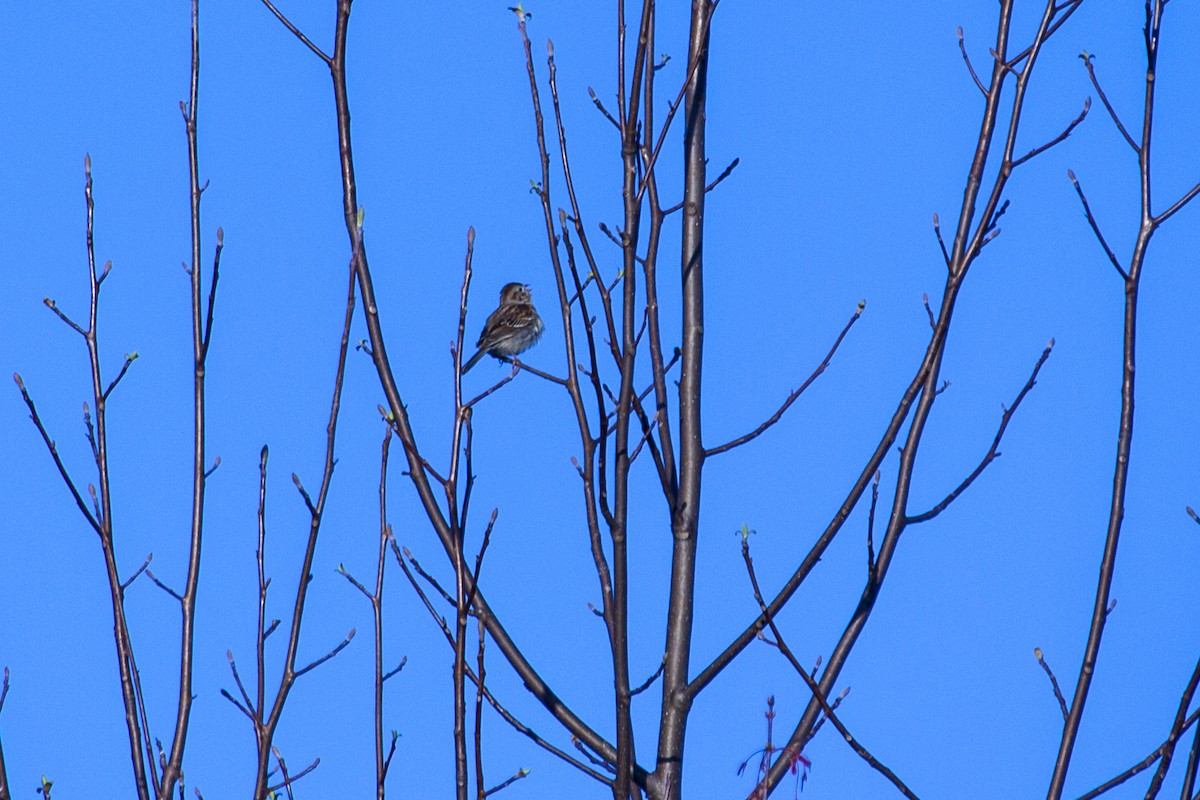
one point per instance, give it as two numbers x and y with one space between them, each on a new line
521 365
341 570
592 758
416 565
1087 104
316 511
791 398
992 453
1177 727
1141 766
937 230
967 60
399 667
172 768
521 773
129 582
1061 13
515 369
1178 204
387 762
53 449
1189 775
150 574
711 185
1003 65
237 679
783 648
685 501
327 656
1101 606
288 780
376 599
397 410
481 672
684 91
977 209
298 34
212 291
648 426
1058 695
500 709
216 463
308 501
1087 210
990 228
261 631
237 704
1112 112
603 110
50 304
129 359
612 237
870 534
649 681
613 582
5 791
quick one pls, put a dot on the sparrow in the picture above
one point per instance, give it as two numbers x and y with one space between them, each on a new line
512 328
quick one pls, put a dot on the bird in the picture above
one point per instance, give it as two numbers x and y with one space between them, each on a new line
512 328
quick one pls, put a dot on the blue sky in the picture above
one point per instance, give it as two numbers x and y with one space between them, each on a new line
853 125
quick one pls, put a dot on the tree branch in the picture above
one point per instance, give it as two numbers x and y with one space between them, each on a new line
791 398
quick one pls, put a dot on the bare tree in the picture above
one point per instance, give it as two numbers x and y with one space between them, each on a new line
630 393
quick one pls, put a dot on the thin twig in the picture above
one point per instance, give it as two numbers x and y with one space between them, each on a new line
296 31
327 656
870 531
288 780
937 230
1178 204
1058 695
862 752
129 582
1141 766
212 290
500 709
1087 210
967 60
1112 112
992 453
650 681
129 359
711 185
791 398
603 110
150 574
521 773
58 462
1087 104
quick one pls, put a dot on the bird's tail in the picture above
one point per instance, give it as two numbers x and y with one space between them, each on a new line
472 361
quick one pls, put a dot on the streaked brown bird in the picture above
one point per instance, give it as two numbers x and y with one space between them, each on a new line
511 329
